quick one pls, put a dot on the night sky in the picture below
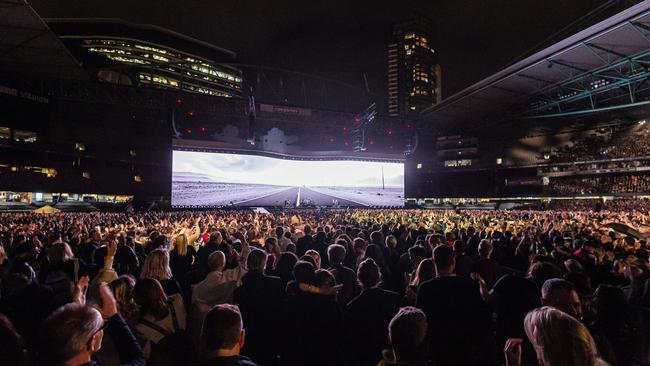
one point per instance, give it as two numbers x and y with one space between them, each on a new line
342 39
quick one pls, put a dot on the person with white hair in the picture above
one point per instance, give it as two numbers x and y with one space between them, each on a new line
558 338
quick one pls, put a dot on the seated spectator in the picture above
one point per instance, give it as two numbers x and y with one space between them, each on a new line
222 338
562 295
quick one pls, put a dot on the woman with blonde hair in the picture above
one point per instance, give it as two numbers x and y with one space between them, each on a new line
558 338
182 258
122 289
156 267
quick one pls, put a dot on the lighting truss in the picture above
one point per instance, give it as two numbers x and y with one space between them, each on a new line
622 82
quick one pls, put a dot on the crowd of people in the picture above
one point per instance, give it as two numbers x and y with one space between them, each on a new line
609 143
335 287
621 165
594 204
637 183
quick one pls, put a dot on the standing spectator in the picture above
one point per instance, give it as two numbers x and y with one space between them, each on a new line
161 324
562 295
513 297
344 276
559 339
305 242
215 240
464 263
488 268
368 315
74 332
181 260
222 338
260 299
407 334
455 313
156 267
314 340
283 241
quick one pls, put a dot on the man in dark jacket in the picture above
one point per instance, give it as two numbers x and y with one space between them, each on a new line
260 299
320 245
305 243
204 252
368 315
344 276
222 337
459 320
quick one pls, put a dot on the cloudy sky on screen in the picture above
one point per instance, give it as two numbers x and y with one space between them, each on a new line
251 169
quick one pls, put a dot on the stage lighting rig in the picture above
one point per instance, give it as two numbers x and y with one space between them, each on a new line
360 127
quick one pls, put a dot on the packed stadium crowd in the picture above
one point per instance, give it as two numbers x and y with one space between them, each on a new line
602 166
595 204
337 287
600 184
614 144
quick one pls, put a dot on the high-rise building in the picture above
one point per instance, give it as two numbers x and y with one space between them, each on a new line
413 73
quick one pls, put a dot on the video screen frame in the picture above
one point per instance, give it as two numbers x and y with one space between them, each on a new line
198 180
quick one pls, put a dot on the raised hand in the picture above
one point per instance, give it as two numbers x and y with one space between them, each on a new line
512 351
80 289
108 307
111 248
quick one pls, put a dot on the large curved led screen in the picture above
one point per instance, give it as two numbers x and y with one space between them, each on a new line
218 179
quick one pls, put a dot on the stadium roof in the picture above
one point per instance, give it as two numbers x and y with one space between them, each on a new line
113 27
28 46
602 68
